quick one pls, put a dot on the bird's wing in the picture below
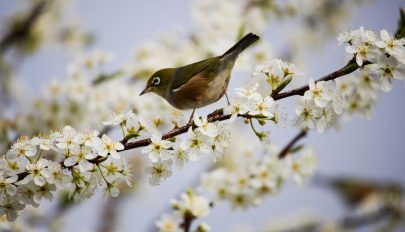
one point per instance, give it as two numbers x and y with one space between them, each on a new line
186 73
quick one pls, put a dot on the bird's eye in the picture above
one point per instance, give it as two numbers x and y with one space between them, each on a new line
156 81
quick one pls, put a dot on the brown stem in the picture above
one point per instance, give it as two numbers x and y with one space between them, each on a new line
286 150
187 221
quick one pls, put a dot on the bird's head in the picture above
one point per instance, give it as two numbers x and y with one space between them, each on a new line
159 82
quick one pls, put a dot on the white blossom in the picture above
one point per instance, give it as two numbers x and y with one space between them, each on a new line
159 171
7 184
180 155
168 223
205 127
263 106
394 47
80 155
158 150
362 51
9 207
195 143
23 147
117 119
36 172
385 70
307 113
235 108
318 92
107 146
196 205
249 92
303 167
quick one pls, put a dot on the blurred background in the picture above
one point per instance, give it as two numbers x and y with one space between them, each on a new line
142 36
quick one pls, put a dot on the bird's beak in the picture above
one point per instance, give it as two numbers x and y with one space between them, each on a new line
146 90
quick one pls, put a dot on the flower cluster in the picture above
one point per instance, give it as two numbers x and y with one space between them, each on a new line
381 61
84 161
79 101
207 138
320 106
189 208
277 73
251 178
387 54
270 76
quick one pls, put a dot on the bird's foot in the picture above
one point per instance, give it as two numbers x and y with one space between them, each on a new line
190 121
227 99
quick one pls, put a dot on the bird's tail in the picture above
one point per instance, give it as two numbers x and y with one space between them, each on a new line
242 44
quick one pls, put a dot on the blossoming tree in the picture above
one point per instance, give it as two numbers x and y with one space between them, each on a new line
62 142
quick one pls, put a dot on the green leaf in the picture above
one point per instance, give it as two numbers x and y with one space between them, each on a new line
106 77
401 24
296 149
283 84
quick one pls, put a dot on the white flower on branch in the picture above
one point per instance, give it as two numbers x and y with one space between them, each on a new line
385 70
159 171
7 184
235 108
327 119
158 150
44 192
9 207
23 147
43 143
220 143
302 167
54 174
36 172
132 122
68 139
392 46
80 155
107 146
249 92
362 46
117 119
263 106
205 127
169 223
318 92
307 113
190 203
180 155
195 143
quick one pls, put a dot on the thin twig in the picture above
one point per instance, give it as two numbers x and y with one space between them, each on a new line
286 150
350 67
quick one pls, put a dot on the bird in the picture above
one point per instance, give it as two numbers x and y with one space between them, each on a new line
198 84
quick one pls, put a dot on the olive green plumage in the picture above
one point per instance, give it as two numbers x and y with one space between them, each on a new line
199 84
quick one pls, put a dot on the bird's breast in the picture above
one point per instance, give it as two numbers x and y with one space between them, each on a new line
201 90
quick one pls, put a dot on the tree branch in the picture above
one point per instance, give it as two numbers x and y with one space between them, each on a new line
19 31
350 67
217 115
287 149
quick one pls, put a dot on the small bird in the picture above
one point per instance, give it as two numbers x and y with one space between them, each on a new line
199 84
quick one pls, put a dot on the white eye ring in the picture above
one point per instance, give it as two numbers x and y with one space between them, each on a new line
156 81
